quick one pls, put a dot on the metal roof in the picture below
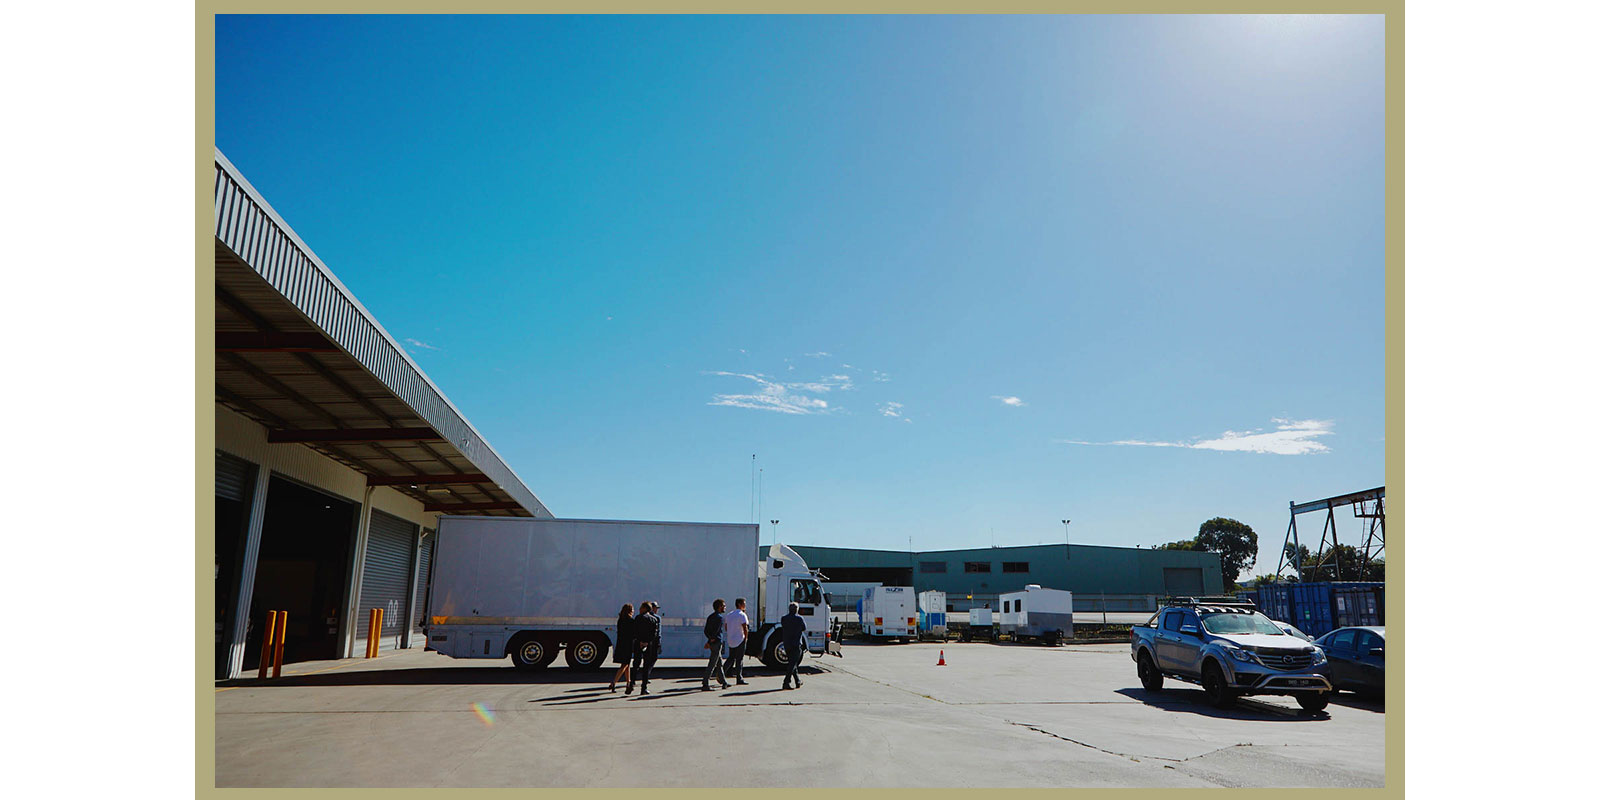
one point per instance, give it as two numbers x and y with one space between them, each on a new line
298 353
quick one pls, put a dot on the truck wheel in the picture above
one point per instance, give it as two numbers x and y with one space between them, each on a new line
1312 702
1216 686
531 652
1148 674
587 653
776 655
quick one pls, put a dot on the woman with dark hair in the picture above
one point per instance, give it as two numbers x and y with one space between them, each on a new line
633 644
624 651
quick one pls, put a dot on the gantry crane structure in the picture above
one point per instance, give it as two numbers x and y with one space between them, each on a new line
1368 509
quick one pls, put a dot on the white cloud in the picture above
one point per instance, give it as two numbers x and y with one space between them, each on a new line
420 345
880 377
784 398
1289 438
1014 402
892 409
818 354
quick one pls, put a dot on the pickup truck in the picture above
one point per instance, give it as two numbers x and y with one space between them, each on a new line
1230 649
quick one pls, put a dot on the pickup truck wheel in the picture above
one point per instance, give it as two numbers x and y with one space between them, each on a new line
587 653
1312 702
1148 674
532 652
1216 686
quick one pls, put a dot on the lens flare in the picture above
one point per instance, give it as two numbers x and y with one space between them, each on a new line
484 713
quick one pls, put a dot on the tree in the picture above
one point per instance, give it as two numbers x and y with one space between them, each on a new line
1349 566
1181 544
1231 539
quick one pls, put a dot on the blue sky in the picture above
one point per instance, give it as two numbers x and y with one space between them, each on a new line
953 279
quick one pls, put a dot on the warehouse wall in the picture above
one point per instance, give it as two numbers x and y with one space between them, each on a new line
1085 570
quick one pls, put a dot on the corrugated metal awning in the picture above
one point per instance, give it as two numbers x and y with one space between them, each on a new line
299 354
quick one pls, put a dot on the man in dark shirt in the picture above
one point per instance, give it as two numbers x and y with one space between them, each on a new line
647 633
714 643
794 644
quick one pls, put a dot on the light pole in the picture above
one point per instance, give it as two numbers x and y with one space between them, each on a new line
1066 525
774 530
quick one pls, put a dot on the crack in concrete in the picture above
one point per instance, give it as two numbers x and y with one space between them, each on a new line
1128 756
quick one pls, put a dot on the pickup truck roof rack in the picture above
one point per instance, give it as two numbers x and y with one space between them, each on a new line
1217 602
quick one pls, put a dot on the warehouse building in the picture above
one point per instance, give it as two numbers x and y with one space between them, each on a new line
1100 578
335 455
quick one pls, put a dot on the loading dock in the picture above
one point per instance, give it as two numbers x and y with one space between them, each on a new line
335 452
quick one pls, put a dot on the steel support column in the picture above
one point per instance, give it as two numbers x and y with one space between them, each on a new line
247 572
347 625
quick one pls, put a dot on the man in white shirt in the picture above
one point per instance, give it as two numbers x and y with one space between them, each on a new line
736 628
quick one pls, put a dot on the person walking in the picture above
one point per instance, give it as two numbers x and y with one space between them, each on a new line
794 643
714 643
633 645
624 653
647 630
736 627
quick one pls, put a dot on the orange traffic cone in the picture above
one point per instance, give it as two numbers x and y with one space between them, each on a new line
941 659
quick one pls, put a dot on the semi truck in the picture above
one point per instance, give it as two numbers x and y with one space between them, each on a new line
888 612
532 588
1035 613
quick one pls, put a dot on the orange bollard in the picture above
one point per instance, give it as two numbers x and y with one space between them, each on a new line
267 640
377 639
277 650
372 631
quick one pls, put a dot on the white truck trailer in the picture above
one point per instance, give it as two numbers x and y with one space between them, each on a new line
530 588
889 612
931 621
980 625
1035 613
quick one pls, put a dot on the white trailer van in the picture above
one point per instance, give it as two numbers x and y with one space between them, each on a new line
889 612
931 622
1035 613
980 625
529 588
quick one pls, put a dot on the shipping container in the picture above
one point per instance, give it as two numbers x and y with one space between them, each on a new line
1318 608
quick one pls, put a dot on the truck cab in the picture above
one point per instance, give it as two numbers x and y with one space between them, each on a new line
785 579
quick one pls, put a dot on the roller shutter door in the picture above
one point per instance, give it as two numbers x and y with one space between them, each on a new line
233 477
419 602
385 578
1184 581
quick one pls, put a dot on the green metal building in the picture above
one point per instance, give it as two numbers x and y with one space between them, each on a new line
1110 578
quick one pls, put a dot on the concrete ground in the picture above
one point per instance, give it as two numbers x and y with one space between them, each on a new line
884 715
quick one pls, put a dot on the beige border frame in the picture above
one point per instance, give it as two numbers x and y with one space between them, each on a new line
1394 309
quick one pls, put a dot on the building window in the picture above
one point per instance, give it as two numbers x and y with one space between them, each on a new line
932 566
977 566
1014 566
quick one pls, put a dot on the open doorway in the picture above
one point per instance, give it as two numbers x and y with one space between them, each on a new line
304 569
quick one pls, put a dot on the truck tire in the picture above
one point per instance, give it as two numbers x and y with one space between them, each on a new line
1218 693
531 651
776 656
587 653
1148 674
1312 702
